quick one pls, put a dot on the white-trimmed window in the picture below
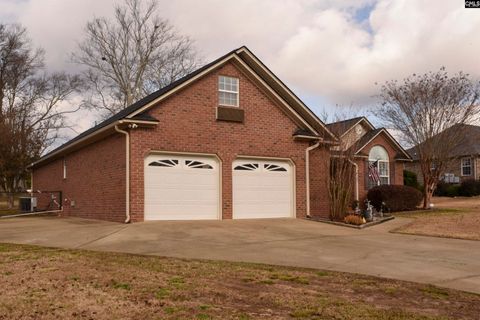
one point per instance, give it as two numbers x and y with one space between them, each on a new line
466 166
378 158
228 91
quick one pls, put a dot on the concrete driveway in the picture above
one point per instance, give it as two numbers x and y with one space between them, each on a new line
374 251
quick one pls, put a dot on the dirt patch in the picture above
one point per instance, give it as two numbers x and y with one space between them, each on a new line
452 218
44 283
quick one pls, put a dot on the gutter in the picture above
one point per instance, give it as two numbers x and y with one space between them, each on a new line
307 173
92 134
73 144
127 173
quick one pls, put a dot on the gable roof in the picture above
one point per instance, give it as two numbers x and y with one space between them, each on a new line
127 111
340 128
372 134
137 111
470 142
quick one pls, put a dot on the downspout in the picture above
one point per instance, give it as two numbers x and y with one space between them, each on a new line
356 178
307 173
127 164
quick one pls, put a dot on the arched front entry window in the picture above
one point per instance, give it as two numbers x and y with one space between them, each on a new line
378 167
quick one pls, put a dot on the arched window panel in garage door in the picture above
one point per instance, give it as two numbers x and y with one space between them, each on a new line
247 167
197 164
274 167
164 163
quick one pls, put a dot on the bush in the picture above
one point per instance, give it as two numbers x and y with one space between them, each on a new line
354 219
469 188
394 197
447 190
410 179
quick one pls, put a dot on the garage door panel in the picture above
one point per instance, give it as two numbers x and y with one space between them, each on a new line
262 189
182 187
260 196
252 212
174 195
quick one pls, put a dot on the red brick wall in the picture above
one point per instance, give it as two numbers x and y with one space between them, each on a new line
188 124
95 180
396 167
96 173
319 168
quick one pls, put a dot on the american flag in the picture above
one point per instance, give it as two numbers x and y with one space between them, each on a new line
373 171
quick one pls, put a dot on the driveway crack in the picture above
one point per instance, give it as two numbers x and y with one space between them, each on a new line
100 238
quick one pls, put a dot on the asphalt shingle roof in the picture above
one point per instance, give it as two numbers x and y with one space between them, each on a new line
365 139
340 127
469 145
139 104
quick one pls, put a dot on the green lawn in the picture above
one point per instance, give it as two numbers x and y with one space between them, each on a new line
46 283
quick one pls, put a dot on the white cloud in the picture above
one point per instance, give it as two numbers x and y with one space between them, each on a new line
316 46
344 60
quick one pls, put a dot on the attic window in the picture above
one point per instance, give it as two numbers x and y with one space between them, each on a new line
228 91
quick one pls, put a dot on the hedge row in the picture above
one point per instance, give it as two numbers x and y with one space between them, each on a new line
468 188
393 198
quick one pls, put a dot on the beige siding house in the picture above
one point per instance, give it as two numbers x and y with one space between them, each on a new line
466 158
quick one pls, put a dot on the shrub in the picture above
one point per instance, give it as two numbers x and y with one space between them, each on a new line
469 188
394 197
410 179
354 219
447 190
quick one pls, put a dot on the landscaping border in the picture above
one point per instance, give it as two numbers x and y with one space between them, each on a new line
363 226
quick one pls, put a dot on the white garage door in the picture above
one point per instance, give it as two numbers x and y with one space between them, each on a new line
181 187
262 189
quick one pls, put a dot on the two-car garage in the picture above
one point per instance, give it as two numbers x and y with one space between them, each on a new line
188 187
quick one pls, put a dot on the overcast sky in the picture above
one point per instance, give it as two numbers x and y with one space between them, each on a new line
330 52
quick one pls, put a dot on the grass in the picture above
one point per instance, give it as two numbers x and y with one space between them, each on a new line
442 212
47 283
460 221
8 212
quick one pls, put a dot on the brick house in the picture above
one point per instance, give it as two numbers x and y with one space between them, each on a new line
228 141
465 162
366 144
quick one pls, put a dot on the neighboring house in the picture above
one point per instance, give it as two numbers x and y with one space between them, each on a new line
465 157
229 140
368 145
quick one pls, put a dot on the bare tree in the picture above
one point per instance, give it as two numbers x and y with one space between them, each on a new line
339 182
31 110
342 166
421 109
132 56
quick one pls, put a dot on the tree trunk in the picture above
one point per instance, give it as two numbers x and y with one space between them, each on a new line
11 200
427 196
